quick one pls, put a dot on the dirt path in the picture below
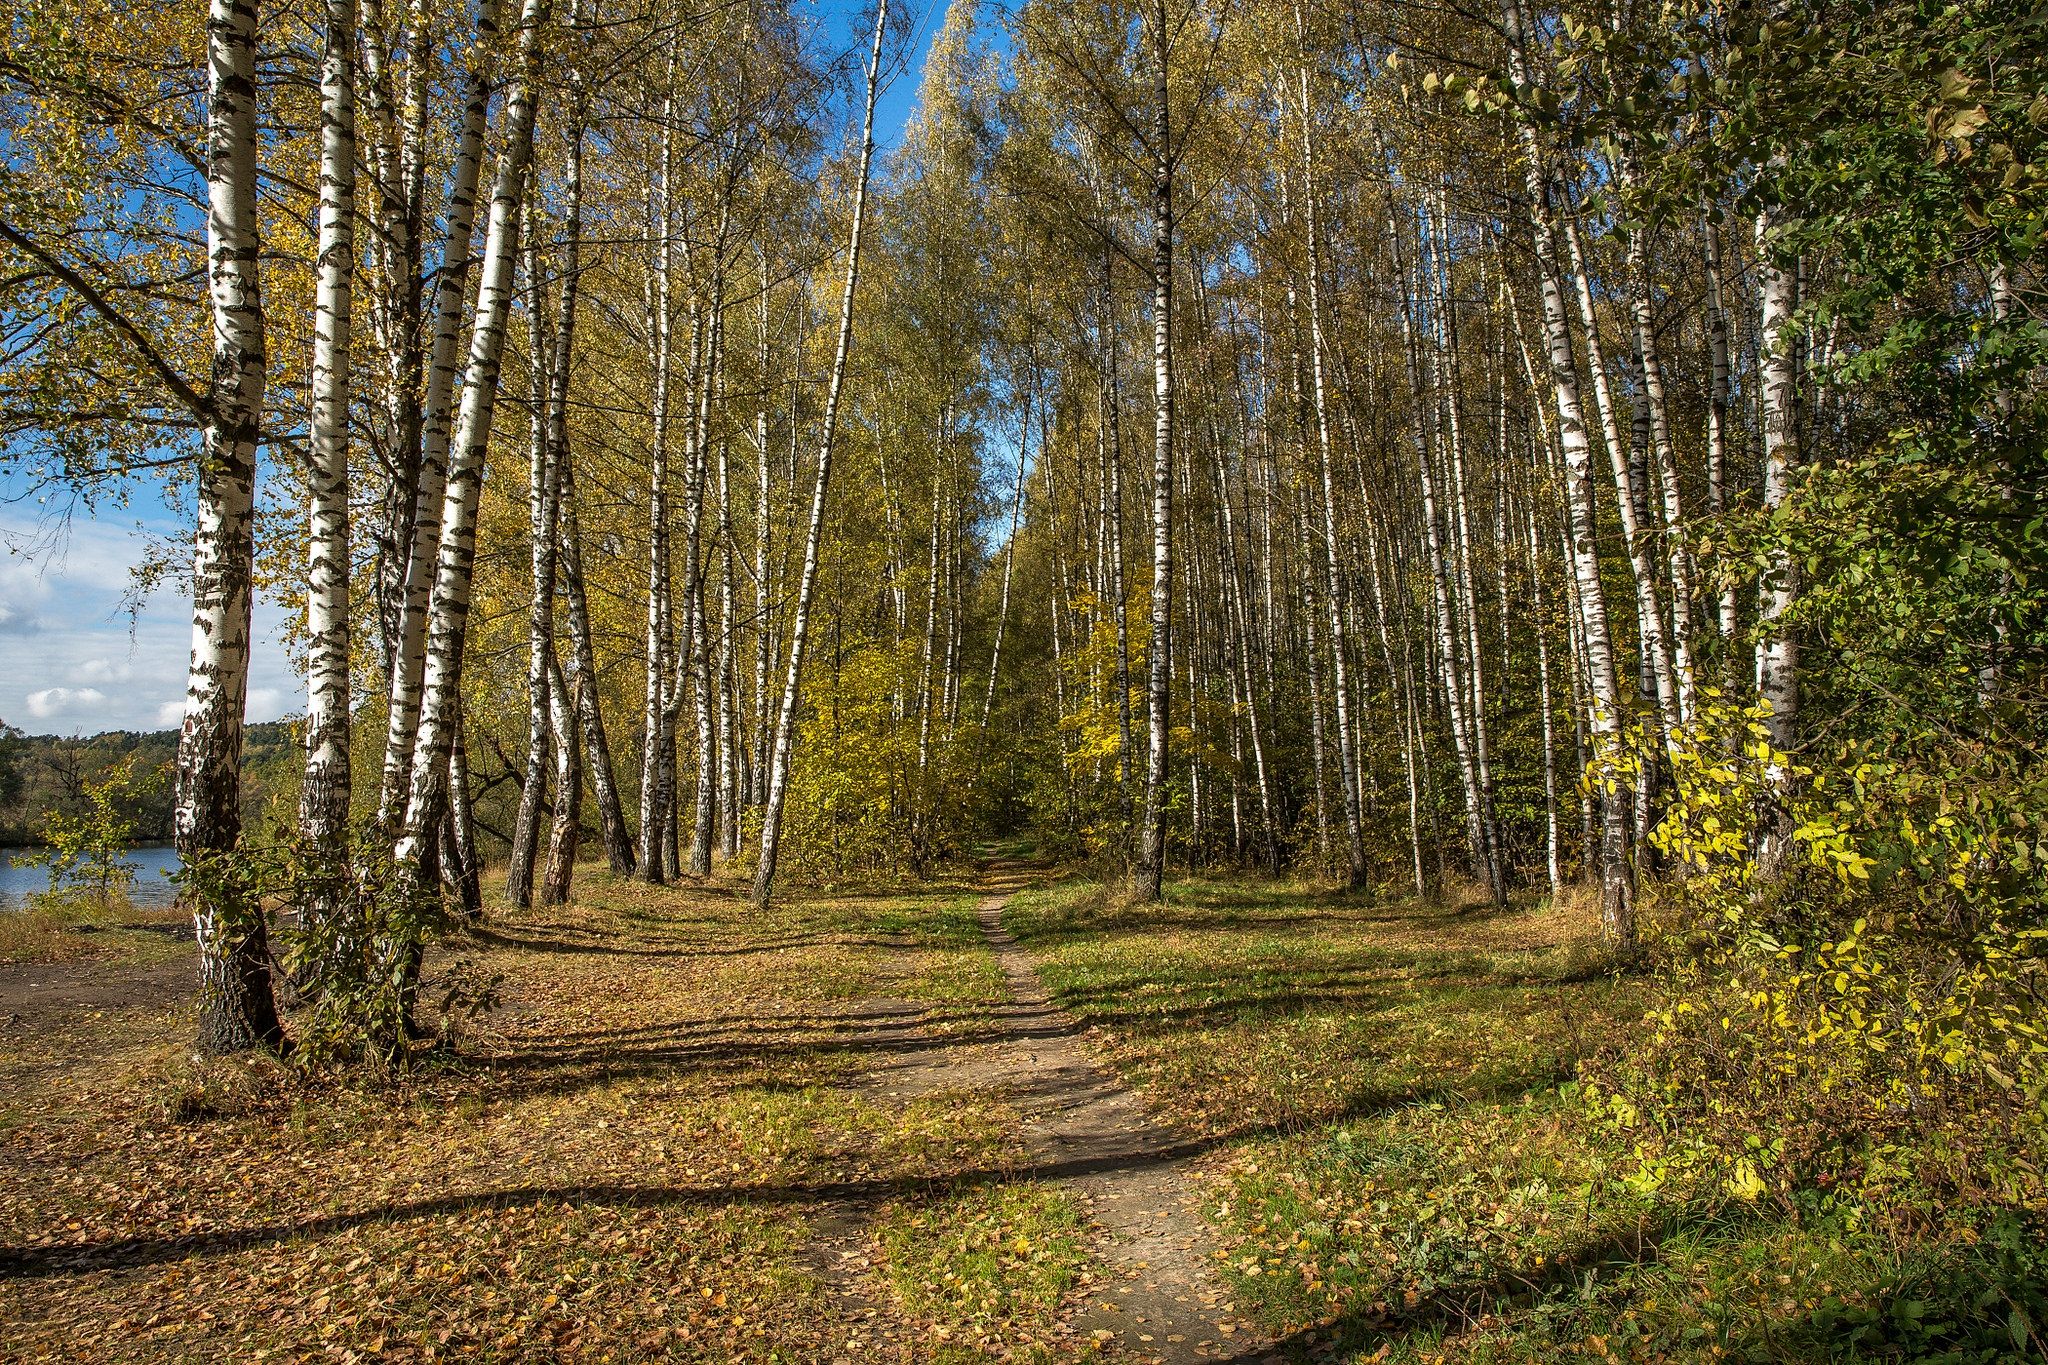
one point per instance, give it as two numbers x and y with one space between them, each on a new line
35 992
1082 1127
1160 1303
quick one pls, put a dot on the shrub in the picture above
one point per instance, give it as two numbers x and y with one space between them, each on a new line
1866 1030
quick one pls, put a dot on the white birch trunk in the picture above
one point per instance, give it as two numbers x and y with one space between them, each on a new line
661 331
1617 898
785 724
1777 647
995 657
1333 587
448 609
450 287
324 797
1718 388
1628 497
540 617
1151 862
236 1007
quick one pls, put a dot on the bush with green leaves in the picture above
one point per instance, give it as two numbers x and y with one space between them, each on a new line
87 853
1871 1026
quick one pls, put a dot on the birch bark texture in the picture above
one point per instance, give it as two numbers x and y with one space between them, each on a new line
1617 891
237 1009
448 608
1151 862
324 797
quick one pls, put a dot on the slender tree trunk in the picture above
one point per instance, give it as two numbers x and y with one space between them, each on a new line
729 748
1777 646
450 286
1628 500
461 868
763 541
1541 628
661 329
568 822
1444 339
1333 589
540 619
1617 898
1151 861
1678 559
1109 446
931 602
448 610
785 724
324 798
705 816
1717 426
995 657
1443 618
618 843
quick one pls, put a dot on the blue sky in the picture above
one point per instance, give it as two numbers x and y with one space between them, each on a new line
74 657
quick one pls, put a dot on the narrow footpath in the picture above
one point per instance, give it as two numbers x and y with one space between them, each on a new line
1157 1300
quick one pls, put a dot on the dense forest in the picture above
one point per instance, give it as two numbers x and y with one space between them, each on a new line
1589 457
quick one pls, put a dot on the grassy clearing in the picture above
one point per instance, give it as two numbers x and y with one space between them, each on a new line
1410 1172
79 928
623 1162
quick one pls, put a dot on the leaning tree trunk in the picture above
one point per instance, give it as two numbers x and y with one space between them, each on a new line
448 609
1151 863
430 480
324 797
1617 894
785 722
236 1007
1628 499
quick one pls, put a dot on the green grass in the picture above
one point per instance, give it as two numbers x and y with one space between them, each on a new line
986 1267
1409 1170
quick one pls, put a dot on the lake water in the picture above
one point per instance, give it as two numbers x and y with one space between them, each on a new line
152 887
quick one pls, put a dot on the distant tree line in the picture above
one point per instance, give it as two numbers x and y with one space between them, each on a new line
41 775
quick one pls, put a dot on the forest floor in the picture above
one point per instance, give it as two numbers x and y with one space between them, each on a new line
998 1118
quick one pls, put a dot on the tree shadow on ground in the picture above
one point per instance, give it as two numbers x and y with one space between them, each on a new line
1141 1150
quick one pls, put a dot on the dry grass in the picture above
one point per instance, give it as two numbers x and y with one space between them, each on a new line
623 1163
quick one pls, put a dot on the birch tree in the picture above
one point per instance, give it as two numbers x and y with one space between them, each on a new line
785 722
236 1007
324 798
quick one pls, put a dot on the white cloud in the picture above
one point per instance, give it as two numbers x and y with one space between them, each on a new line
103 671
76 659
65 701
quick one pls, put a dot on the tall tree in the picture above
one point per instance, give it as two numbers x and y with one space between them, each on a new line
236 1007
